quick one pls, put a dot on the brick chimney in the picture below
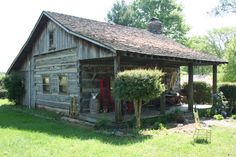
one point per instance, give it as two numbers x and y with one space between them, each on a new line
155 26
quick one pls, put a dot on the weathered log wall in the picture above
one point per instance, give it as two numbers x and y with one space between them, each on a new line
63 60
62 40
54 65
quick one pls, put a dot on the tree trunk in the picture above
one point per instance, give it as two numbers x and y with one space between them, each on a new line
137 111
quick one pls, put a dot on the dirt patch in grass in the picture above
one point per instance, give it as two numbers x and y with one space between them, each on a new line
190 127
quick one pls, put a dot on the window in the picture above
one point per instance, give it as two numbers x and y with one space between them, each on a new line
51 40
63 84
46 84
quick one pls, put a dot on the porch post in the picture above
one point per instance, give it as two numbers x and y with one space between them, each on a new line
214 81
118 109
190 87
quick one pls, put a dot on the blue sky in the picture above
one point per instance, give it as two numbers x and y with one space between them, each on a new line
18 18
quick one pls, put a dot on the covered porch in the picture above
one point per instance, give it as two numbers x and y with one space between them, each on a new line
92 70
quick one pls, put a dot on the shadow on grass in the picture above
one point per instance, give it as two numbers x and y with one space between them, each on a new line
18 118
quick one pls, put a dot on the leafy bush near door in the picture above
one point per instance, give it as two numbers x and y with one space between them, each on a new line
138 85
201 92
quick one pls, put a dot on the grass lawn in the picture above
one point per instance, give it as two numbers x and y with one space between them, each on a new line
23 134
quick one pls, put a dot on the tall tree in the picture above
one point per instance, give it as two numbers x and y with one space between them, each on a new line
219 38
230 72
225 6
214 42
139 12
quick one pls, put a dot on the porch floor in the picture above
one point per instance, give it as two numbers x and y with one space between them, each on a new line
146 113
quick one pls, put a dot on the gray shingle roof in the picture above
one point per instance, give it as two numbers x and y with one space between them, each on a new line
130 39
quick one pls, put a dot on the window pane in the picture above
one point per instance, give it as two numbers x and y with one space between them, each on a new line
51 38
46 84
63 84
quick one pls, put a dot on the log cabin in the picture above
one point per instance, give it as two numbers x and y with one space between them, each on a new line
67 56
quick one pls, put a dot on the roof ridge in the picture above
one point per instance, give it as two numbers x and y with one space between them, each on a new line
104 22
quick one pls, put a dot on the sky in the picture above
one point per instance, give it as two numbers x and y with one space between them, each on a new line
18 18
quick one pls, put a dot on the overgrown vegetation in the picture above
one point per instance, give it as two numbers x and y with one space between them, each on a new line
229 90
202 92
13 83
138 85
230 68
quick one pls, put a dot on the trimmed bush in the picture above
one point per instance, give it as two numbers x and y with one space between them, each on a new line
201 92
138 85
229 90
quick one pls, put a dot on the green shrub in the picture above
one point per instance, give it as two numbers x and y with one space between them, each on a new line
3 93
102 124
201 92
233 116
138 85
159 126
174 116
218 117
15 88
204 113
221 104
229 90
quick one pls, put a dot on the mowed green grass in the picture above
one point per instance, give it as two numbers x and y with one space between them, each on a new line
23 134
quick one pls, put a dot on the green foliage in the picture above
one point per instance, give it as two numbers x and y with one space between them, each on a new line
174 116
3 93
138 84
225 6
139 12
233 116
204 113
229 69
229 90
15 88
221 104
159 126
102 124
214 42
201 92
218 117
